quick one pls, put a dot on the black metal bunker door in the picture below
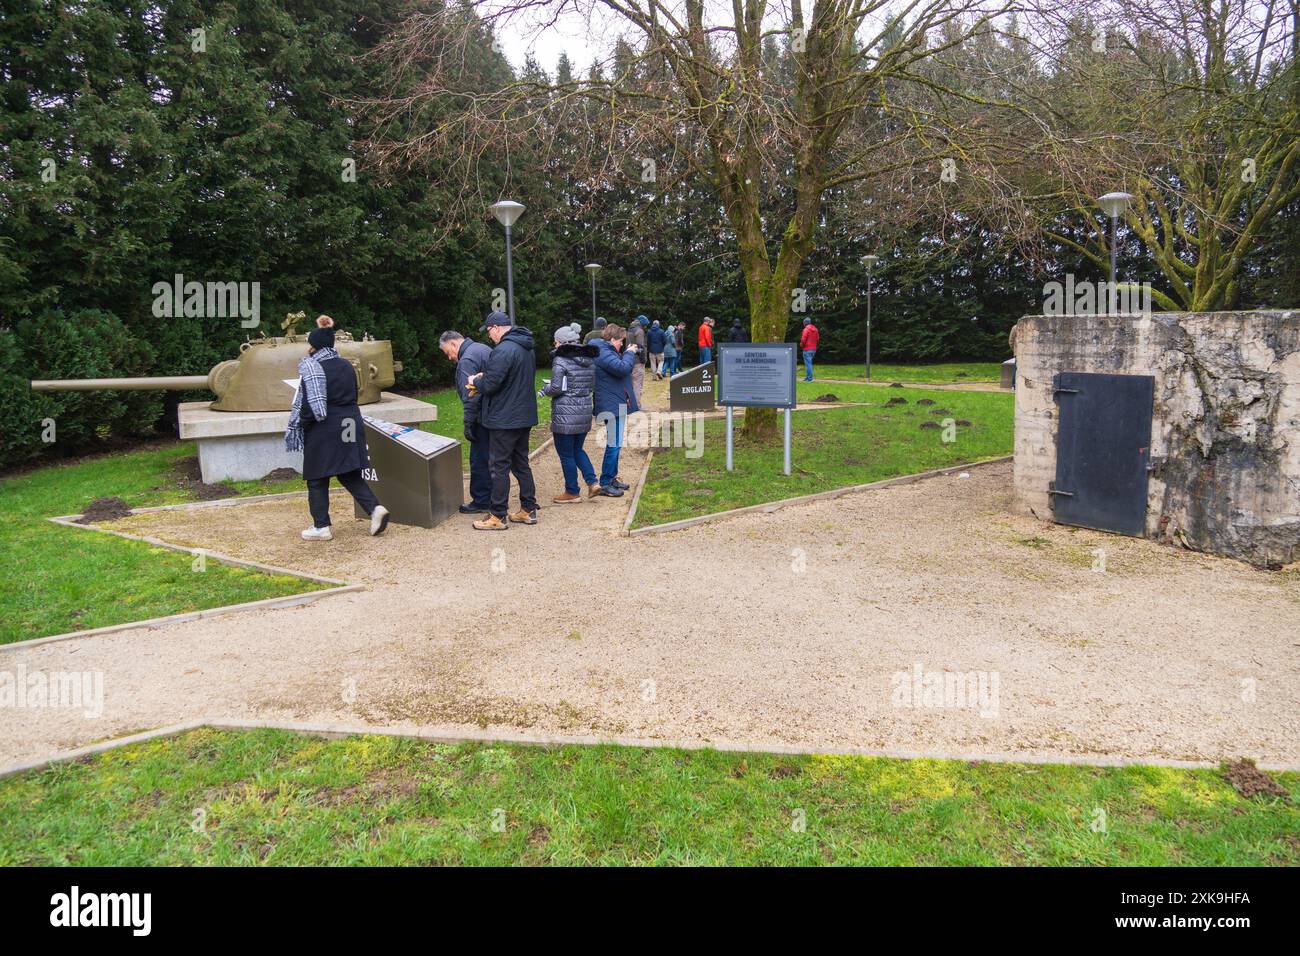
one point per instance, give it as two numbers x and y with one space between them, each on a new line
1103 450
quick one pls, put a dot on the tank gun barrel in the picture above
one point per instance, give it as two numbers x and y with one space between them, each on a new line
172 383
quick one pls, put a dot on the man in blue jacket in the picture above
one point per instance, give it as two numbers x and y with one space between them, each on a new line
509 412
614 400
471 357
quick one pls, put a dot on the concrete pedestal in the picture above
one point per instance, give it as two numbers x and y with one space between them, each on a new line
245 446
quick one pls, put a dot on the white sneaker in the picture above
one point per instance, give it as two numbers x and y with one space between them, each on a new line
318 534
378 520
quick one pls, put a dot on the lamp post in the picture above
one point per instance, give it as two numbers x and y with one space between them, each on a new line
869 262
507 211
1114 205
592 269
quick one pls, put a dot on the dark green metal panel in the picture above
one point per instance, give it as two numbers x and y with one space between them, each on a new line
1103 450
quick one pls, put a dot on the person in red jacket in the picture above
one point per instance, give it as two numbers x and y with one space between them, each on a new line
706 341
808 345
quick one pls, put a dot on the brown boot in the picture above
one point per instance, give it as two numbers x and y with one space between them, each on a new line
566 499
490 523
524 517
593 490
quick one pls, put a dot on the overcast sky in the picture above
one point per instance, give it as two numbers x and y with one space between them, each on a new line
571 34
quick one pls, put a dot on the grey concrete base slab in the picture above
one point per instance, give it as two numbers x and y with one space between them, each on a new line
246 446
245 457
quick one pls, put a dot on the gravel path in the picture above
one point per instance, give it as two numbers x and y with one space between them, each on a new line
784 628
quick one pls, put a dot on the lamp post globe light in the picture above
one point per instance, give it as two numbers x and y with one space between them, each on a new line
1114 205
507 211
592 268
869 262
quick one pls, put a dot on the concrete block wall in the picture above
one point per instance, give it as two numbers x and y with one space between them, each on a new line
1225 433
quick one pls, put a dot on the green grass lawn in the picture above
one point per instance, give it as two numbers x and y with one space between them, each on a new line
831 448
941 373
77 581
72 580
270 797
61 579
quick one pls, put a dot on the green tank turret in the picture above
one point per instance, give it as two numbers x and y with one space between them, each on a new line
261 379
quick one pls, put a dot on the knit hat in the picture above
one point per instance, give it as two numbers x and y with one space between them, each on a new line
602 322
643 320
321 338
565 335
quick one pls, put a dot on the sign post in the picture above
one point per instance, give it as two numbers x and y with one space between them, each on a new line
730 466
757 375
787 441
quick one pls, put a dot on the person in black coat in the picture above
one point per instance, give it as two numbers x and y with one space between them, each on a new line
738 332
471 357
325 425
509 412
656 339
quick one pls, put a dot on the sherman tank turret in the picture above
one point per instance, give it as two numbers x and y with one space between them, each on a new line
261 379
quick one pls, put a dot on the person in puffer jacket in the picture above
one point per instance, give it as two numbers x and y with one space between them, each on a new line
570 387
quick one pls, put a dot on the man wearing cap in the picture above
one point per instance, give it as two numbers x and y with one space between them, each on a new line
471 357
325 425
636 336
509 412
596 332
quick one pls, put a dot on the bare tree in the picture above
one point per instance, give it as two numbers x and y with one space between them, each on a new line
1193 106
768 128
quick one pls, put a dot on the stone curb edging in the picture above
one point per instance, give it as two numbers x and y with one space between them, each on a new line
539 449
90 750
265 604
588 740
640 487
982 386
194 505
770 506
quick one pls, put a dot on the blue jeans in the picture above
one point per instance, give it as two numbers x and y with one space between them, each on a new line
670 364
807 363
613 445
706 354
573 458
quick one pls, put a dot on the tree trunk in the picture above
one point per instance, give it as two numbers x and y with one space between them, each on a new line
770 287
767 319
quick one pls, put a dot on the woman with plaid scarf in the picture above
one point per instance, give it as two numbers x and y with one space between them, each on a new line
325 425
